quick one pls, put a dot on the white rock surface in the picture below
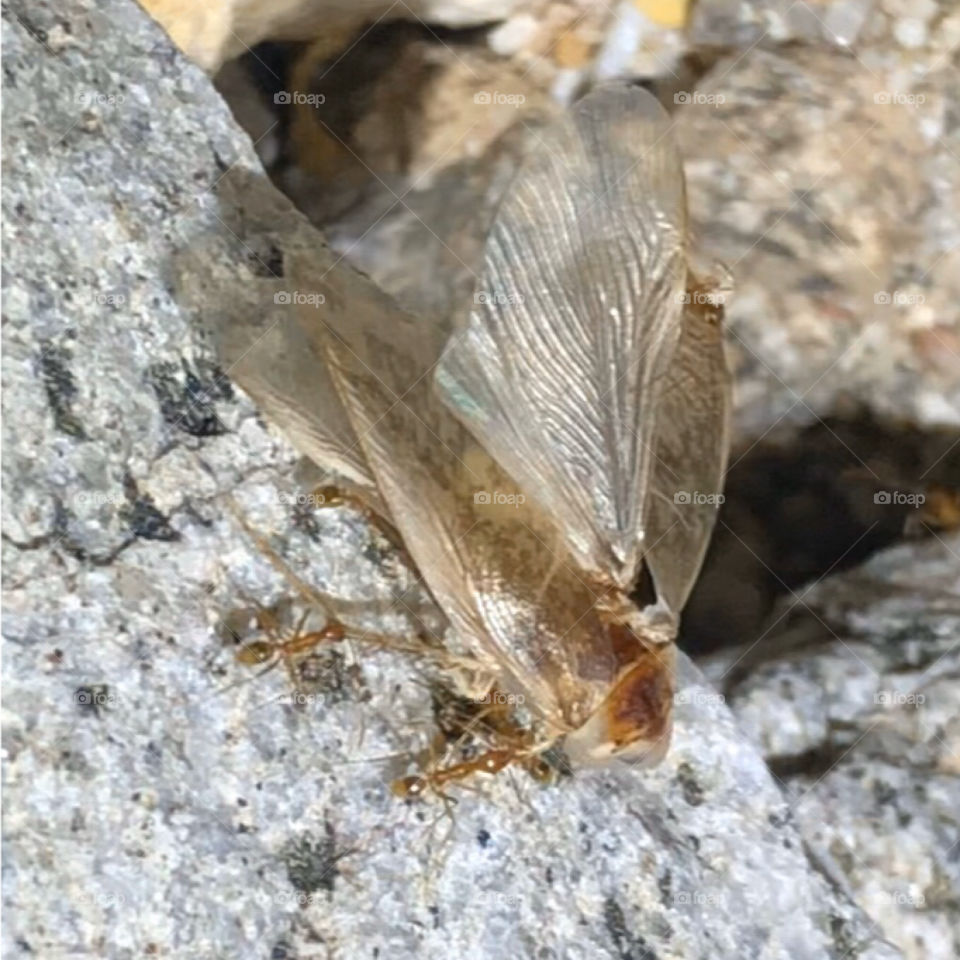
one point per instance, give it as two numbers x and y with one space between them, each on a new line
856 703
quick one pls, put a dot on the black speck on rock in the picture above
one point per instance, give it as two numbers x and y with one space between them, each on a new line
844 939
37 33
780 820
884 793
692 790
145 520
61 389
268 263
305 519
483 838
312 862
665 885
629 946
188 395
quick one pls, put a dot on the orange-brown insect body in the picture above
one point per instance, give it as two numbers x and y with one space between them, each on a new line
273 651
638 706
263 651
491 762
573 431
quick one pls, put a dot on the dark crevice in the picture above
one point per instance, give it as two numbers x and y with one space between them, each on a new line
818 500
814 763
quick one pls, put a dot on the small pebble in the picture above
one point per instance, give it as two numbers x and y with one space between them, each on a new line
844 20
910 33
572 50
513 35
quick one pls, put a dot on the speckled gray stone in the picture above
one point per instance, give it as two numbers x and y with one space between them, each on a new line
853 695
147 810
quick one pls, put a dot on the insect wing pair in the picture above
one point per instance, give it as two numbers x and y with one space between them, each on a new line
534 458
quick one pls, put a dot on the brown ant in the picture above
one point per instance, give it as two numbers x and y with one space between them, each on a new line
491 762
412 788
491 719
495 722
275 650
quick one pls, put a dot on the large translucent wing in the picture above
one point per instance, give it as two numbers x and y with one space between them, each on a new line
495 564
558 368
275 363
691 457
263 348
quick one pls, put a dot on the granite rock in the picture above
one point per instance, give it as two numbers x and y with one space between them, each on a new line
852 694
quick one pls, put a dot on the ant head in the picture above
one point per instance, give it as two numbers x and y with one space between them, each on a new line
540 769
333 630
409 788
255 653
329 496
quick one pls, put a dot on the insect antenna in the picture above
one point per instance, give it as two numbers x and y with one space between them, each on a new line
243 681
279 564
421 648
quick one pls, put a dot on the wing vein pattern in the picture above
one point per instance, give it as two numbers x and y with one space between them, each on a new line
558 367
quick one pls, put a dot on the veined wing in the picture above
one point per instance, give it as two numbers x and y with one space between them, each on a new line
496 564
693 439
268 354
559 366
